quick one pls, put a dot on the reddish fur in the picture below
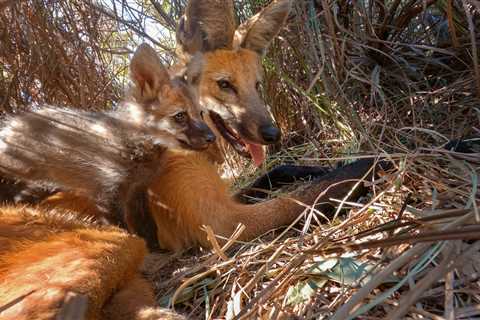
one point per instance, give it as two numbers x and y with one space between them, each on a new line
135 301
204 19
71 202
244 70
46 254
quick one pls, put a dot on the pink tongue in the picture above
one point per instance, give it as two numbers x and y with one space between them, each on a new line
257 152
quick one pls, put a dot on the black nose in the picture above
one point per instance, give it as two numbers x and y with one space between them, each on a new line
270 134
207 135
210 137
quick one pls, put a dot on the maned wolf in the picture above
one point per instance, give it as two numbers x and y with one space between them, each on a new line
47 255
224 65
108 157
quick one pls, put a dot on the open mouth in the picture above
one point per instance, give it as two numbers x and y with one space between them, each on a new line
229 134
242 147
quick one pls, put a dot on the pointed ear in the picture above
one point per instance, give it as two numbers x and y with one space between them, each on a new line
147 72
257 32
190 39
206 25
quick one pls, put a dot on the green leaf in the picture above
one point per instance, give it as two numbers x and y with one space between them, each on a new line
346 271
350 272
323 266
303 291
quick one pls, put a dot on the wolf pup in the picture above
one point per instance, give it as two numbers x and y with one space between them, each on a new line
108 157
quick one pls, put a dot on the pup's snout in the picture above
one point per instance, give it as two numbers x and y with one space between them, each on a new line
201 136
210 137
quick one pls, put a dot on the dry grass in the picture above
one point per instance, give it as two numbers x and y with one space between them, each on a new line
51 52
75 52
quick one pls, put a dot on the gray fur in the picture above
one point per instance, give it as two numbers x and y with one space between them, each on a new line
95 154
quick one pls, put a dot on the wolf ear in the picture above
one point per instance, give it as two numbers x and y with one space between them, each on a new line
147 72
190 38
258 31
206 25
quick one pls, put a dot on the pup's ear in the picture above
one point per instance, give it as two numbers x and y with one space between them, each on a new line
147 72
258 31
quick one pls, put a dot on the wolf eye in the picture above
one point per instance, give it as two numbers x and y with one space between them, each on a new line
258 86
180 117
225 85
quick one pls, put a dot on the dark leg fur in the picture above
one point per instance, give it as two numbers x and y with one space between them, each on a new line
133 205
138 218
12 192
128 207
277 178
464 146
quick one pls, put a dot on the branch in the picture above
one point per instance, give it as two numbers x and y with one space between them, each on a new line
168 20
130 25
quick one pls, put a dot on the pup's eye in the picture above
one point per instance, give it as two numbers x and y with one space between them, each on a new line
259 86
180 117
225 85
